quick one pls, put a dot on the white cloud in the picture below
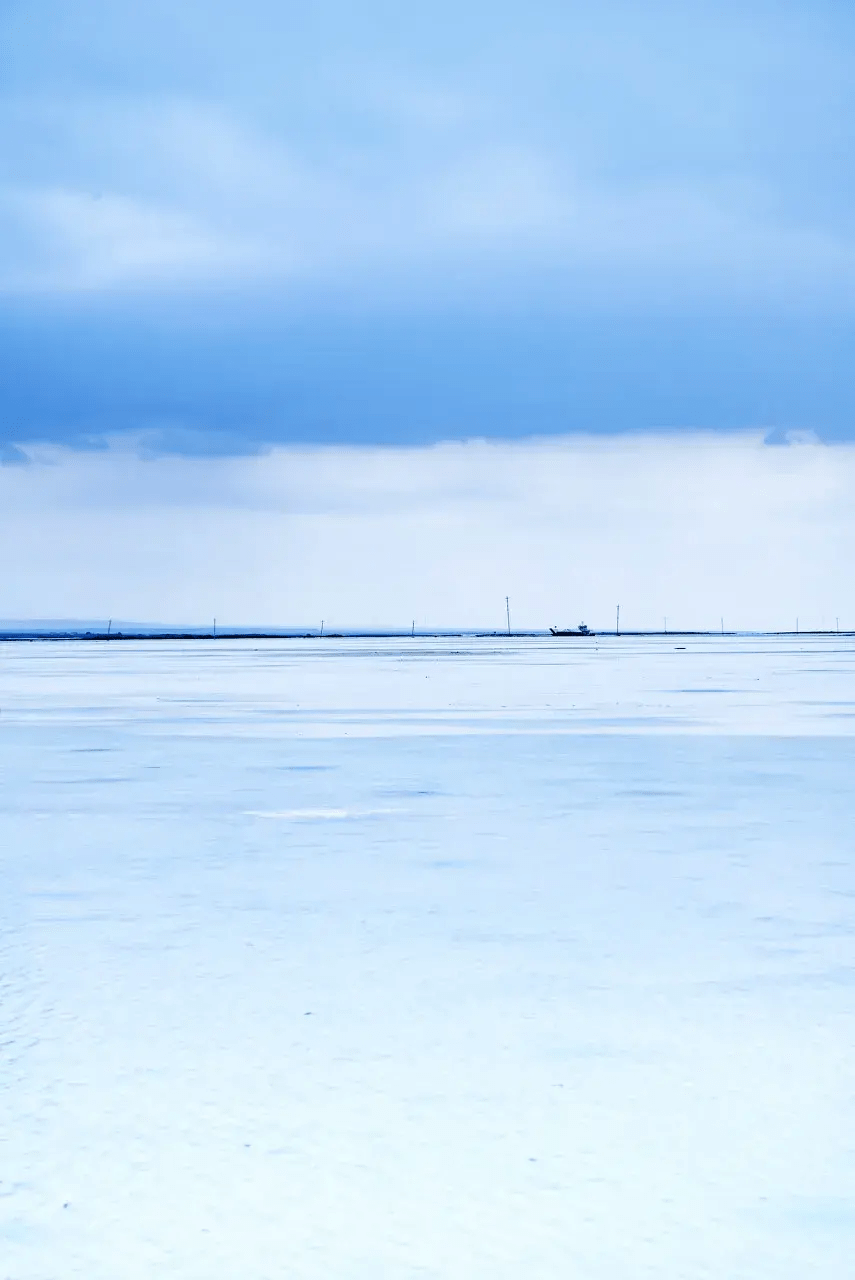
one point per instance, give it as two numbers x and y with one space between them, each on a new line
83 242
420 187
692 527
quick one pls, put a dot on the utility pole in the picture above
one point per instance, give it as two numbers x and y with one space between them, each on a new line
722 626
215 628
109 625
322 626
508 612
617 624
665 620
413 632
797 626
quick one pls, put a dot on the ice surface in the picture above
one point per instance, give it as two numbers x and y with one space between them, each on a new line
466 959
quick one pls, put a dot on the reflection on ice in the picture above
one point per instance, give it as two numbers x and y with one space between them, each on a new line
459 960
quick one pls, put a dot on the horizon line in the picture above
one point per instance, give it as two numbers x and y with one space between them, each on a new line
35 633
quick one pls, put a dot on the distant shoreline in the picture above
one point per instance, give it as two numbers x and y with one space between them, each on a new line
31 636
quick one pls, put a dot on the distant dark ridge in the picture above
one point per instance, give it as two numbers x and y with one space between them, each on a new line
113 636
265 635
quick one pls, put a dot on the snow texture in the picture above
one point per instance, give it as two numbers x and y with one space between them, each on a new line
461 959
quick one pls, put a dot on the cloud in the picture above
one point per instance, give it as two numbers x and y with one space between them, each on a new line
83 242
179 194
691 527
12 456
257 178
659 154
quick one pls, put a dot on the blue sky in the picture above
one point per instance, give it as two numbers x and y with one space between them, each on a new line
228 226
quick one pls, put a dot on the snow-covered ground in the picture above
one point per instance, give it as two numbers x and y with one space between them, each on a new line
461 959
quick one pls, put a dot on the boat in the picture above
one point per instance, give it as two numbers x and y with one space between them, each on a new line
581 630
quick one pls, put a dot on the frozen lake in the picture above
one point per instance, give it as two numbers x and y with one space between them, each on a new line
455 959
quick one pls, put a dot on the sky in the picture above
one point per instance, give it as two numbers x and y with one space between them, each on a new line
696 528
337 223
230 231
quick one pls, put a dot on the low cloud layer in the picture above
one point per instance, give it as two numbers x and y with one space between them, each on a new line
693 528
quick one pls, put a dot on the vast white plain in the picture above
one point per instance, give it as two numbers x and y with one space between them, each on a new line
465 959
